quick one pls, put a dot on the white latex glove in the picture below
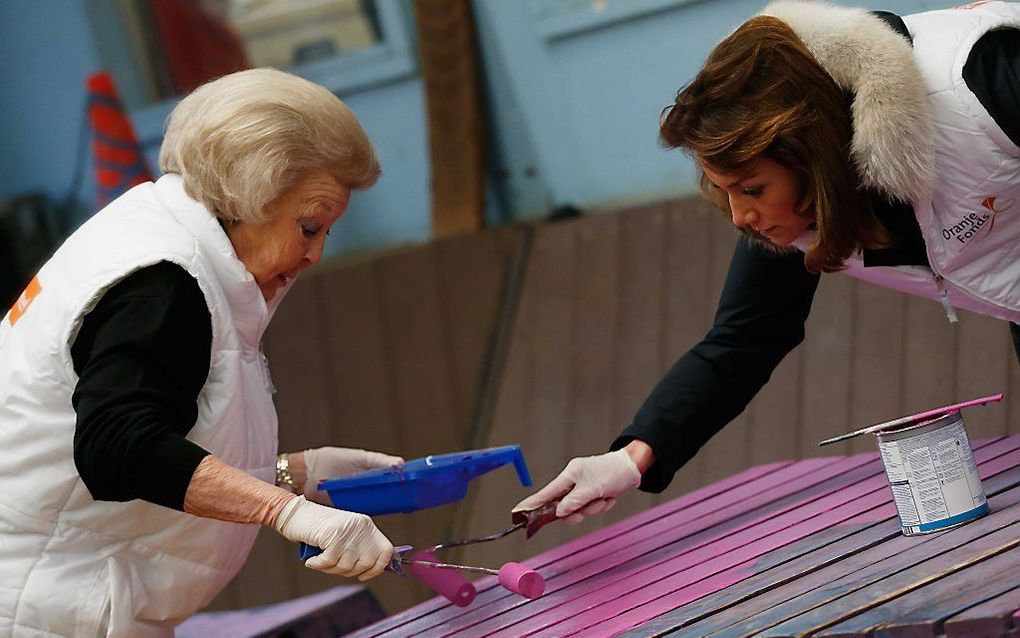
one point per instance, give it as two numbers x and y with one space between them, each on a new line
351 544
328 462
587 486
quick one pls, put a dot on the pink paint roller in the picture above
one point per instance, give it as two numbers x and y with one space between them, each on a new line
443 579
445 582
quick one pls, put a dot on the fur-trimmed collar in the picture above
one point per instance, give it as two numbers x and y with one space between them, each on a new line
893 139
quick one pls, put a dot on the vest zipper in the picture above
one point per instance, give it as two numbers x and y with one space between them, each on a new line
944 299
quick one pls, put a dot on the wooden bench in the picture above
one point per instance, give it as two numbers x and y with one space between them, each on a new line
807 548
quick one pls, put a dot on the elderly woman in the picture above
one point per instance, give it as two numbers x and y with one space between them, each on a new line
834 139
137 426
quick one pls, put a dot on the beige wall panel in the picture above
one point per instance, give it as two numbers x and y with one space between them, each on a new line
929 356
728 450
360 400
471 271
876 376
825 396
417 334
775 413
690 299
983 358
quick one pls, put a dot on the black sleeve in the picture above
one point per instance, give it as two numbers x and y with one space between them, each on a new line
992 72
760 318
142 356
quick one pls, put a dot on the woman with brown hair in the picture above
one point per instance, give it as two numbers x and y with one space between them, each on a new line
834 139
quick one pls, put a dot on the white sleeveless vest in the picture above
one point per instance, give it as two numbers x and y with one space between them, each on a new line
73 566
965 194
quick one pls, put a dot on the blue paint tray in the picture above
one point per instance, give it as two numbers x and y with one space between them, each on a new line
421 483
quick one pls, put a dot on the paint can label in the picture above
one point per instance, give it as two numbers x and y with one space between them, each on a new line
934 479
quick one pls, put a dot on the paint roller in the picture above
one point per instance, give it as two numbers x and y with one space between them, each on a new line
444 579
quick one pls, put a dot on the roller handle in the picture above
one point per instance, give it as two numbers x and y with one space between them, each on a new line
306 551
535 519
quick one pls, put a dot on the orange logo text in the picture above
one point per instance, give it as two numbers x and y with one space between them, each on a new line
25 300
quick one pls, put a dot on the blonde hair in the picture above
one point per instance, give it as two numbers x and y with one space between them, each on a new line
240 141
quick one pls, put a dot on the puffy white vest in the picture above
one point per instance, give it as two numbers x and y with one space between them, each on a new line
75 566
971 221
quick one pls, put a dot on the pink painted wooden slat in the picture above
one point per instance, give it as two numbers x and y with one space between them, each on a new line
999 472
759 591
699 515
655 564
752 478
643 604
657 536
695 520
700 500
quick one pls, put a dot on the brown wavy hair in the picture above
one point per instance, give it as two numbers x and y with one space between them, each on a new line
761 93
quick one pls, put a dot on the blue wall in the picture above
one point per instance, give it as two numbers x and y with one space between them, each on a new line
45 54
575 90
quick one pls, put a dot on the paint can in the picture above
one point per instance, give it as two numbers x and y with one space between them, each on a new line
931 470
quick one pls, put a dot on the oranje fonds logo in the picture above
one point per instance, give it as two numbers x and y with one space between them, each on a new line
968 227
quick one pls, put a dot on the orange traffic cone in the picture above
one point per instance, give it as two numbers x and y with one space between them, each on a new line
118 159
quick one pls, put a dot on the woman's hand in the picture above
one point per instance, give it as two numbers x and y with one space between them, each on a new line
351 544
328 462
589 485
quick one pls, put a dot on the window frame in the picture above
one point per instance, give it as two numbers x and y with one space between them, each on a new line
392 59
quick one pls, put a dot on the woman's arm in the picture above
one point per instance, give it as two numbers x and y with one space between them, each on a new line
223 492
760 318
142 357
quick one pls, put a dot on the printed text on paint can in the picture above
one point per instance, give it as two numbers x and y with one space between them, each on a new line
933 475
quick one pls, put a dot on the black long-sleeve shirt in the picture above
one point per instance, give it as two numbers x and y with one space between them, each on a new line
142 356
766 299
